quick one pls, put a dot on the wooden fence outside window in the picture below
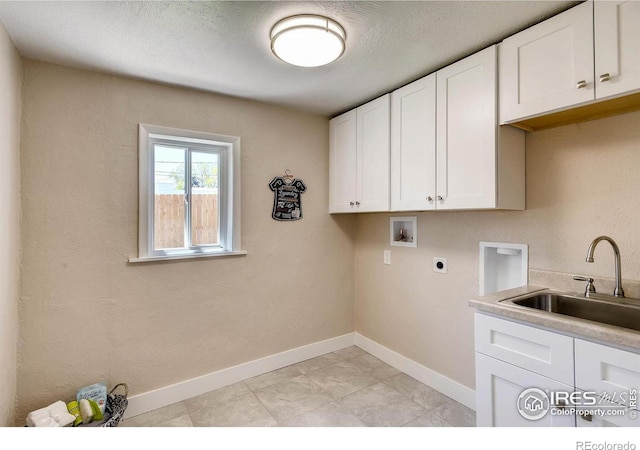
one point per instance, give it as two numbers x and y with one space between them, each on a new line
169 220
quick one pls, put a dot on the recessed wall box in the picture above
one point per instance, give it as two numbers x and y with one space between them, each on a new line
502 266
404 231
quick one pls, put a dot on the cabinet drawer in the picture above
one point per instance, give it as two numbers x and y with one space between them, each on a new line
607 370
531 348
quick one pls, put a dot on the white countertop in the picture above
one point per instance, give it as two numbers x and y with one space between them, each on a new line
493 304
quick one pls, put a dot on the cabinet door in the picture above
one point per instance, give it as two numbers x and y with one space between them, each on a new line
548 66
342 167
373 145
466 133
617 47
413 146
498 387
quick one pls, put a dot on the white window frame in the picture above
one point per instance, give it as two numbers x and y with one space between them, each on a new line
228 188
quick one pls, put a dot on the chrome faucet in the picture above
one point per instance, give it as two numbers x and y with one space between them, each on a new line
618 291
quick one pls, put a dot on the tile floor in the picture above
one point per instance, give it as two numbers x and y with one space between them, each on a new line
347 388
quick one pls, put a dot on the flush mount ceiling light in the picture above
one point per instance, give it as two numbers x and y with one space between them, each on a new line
308 40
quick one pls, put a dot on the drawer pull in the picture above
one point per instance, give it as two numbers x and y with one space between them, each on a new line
587 417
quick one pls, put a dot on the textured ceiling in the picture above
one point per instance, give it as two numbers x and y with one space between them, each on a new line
223 46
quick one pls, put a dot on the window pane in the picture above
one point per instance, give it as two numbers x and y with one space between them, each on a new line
169 165
205 216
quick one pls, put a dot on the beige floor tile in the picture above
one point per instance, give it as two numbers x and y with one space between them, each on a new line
240 411
329 415
156 417
349 352
182 421
420 393
291 398
214 397
374 367
317 363
456 414
429 419
267 379
341 379
339 389
381 406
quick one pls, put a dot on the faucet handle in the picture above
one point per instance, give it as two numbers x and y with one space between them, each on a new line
590 289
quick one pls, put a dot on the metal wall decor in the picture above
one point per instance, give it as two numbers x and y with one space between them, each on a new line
287 197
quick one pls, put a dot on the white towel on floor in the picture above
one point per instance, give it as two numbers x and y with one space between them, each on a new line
54 415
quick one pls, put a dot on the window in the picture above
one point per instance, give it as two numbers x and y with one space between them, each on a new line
189 194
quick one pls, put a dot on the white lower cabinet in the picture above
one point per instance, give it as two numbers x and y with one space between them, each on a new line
618 417
581 383
604 369
498 387
613 374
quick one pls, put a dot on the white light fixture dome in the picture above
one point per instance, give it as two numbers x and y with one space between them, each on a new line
308 40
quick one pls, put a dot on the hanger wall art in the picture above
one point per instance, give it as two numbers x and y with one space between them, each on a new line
287 197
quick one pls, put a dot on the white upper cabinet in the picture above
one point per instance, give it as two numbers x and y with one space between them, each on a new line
359 159
413 146
479 165
580 57
447 151
617 47
372 189
342 171
434 144
548 66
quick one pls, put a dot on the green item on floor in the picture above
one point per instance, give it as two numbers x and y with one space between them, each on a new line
74 410
97 413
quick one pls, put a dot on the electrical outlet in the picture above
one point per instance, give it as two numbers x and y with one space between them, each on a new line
387 256
440 264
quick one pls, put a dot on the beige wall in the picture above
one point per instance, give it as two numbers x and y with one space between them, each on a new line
88 316
10 104
582 181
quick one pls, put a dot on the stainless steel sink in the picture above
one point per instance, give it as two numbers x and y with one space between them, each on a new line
602 309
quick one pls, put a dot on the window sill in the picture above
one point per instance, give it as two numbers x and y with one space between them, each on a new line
147 259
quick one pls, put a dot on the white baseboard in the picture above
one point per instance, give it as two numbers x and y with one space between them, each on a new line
439 382
158 398
148 401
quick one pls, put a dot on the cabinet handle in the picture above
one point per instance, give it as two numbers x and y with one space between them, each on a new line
604 77
351 203
581 84
440 198
357 203
429 198
586 416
